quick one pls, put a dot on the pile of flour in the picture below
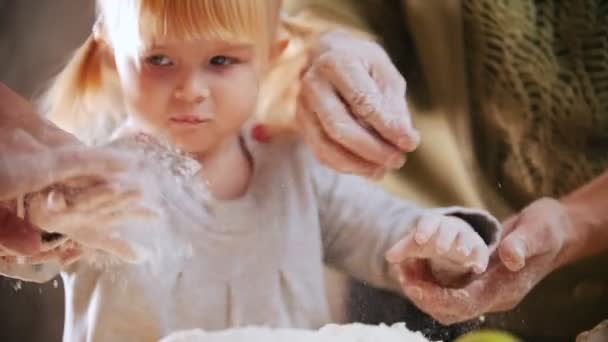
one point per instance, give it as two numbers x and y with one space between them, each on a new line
330 333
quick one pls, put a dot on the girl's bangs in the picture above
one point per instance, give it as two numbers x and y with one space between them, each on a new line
152 21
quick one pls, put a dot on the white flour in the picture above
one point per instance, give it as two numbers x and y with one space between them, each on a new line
329 333
171 187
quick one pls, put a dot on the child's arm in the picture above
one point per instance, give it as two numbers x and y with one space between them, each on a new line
361 222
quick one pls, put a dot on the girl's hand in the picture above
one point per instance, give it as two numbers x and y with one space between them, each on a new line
449 244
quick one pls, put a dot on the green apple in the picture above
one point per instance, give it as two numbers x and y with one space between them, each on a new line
488 336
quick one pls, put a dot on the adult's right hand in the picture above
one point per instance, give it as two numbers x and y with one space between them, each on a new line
352 108
35 154
26 165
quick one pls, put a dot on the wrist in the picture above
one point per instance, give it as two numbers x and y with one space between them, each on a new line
586 207
580 232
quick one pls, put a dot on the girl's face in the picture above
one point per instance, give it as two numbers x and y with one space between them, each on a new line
195 93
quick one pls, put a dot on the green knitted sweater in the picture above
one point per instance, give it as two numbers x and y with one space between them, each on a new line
539 88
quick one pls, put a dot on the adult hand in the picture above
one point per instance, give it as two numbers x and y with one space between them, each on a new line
65 254
33 155
542 230
27 165
535 244
16 113
92 214
17 237
352 109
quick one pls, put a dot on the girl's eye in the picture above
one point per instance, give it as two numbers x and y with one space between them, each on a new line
159 60
222 61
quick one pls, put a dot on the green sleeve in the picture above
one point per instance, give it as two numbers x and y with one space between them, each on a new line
344 12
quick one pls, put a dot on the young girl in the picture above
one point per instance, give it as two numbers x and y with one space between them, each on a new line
186 74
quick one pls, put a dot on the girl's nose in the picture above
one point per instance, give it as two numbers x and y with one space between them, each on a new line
196 97
195 91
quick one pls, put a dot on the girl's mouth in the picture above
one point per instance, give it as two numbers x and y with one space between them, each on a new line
188 119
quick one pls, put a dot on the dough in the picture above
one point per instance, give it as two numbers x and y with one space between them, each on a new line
329 333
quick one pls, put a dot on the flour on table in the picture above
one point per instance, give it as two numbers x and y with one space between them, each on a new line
329 333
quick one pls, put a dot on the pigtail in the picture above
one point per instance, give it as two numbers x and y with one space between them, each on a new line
83 99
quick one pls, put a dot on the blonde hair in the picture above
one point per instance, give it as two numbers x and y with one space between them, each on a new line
279 92
85 98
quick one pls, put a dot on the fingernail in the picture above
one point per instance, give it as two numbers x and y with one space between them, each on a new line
478 268
517 257
404 143
56 202
260 134
415 136
519 250
421 239
396 161
516 263
410 141
463 250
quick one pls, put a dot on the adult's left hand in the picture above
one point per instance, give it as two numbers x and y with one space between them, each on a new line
34 154
537 241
